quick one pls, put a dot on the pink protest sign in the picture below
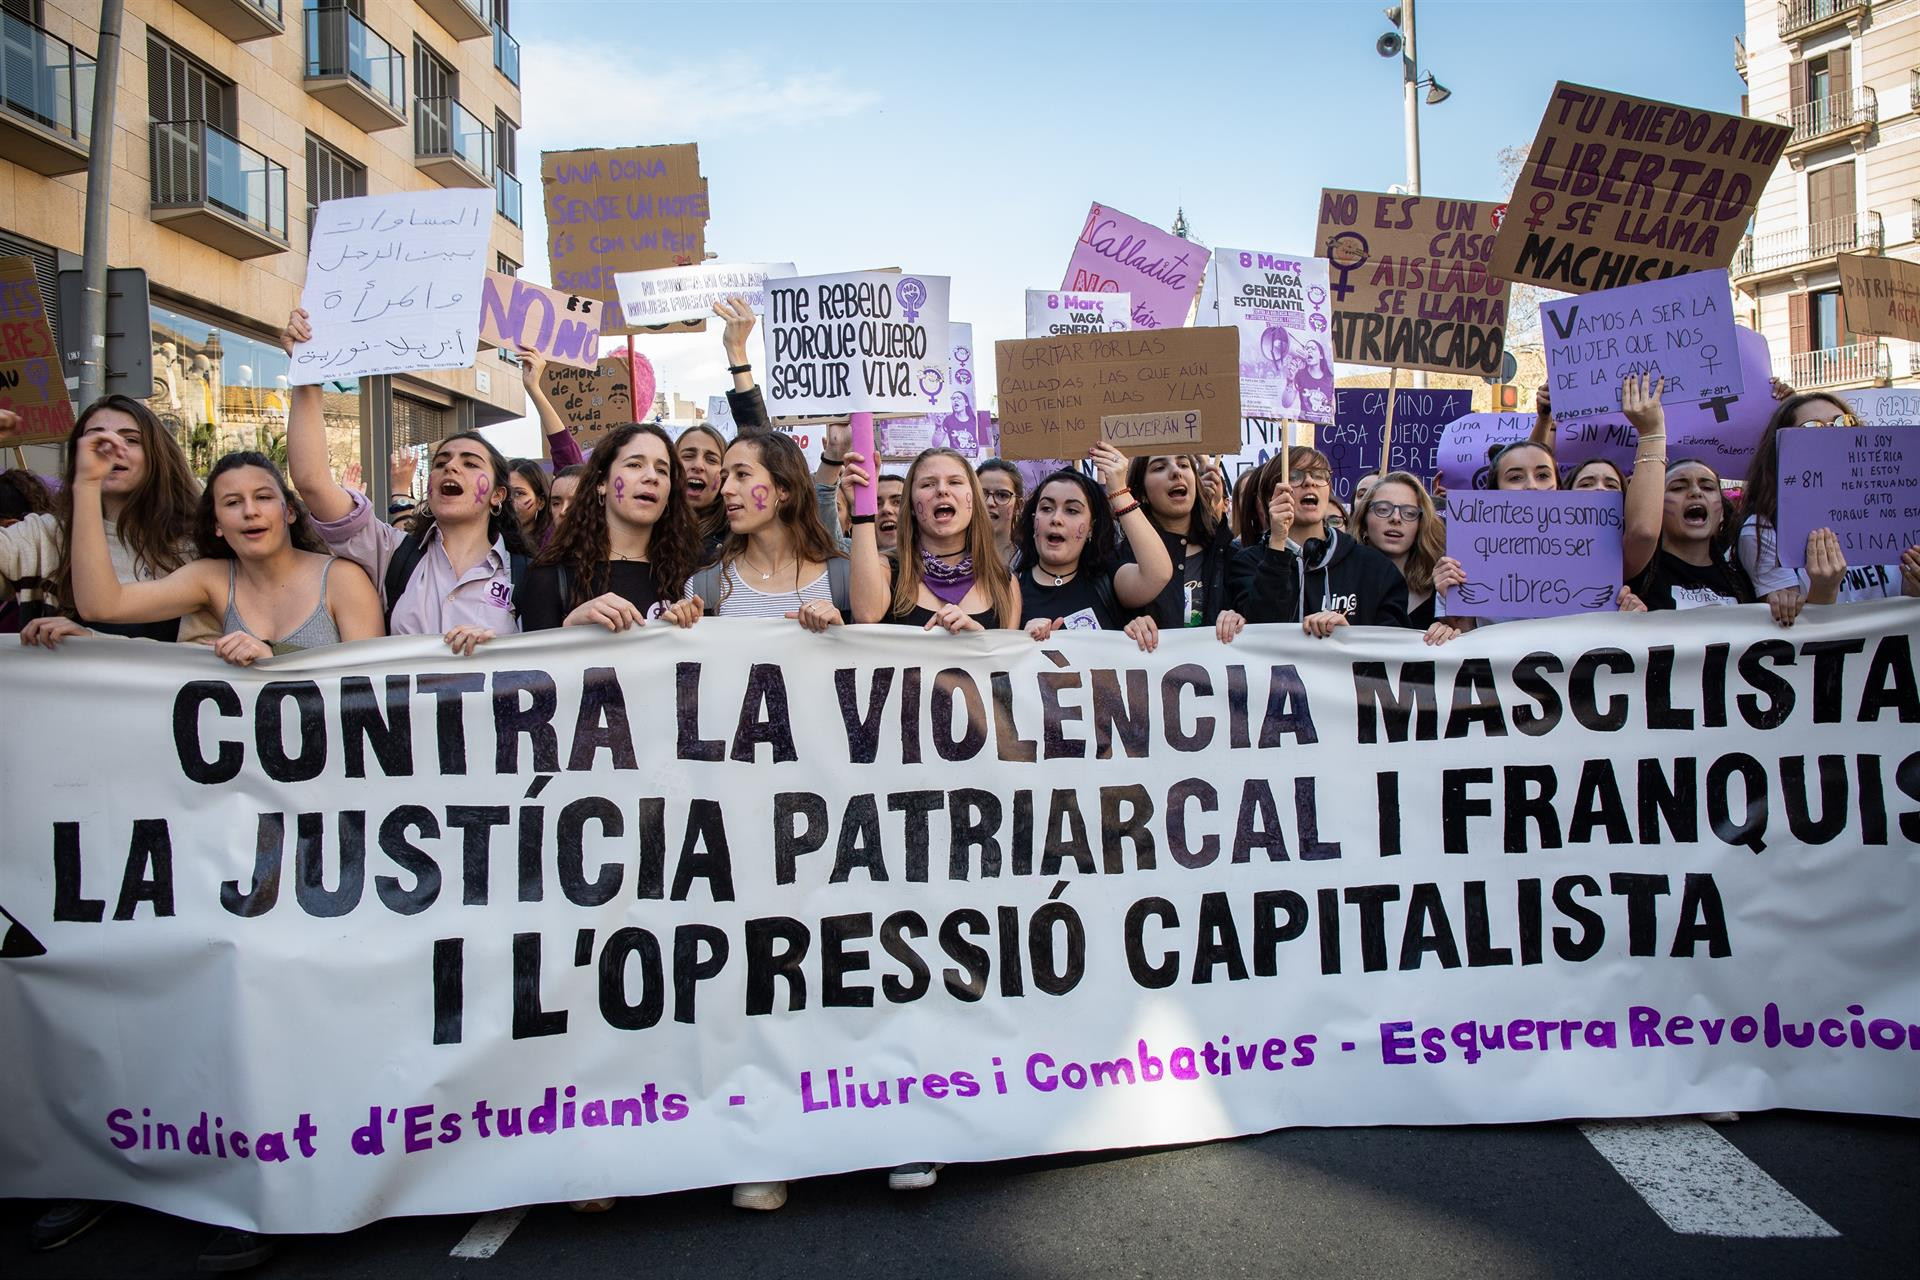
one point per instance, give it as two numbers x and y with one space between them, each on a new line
1861 482
1119 254
563 327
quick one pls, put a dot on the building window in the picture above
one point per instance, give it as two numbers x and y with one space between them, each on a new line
507 267
330 176
179 87
417 424
506 168
1827 321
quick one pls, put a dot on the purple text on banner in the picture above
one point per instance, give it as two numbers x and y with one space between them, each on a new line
1352 442
1679 330
1530 554
1861 482
1118 254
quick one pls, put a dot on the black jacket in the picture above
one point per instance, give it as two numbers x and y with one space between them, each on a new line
1217 590
1341 576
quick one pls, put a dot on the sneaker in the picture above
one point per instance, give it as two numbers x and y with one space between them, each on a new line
913 1177
765 1196
65 1221
592 1206
236 1251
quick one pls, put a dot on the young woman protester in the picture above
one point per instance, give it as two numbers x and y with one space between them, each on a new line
1307 572
1001 485
1677 554
1199 547
560 492
947 572
1785 590
532 507
22 494
149 496
626 549
1071 575
452 567
260 559
1398 519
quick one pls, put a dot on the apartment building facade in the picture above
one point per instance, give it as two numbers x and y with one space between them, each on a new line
233 120
1845 74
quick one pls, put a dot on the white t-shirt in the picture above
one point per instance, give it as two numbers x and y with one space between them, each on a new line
1759 553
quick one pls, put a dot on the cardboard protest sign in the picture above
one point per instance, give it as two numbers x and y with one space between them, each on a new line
597 400
1861 482
1119 254
1058 396
629 209
1532 554
394 284
1882 295
1281 306
689 293
1052 312
1411 287
1884 406
563 327
1678 330
863 342
31 382
1352 440
1618 189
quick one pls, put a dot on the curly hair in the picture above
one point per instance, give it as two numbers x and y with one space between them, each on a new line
206 524
23 494
156 524
584 542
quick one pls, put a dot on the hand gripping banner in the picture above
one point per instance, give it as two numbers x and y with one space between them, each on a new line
375 930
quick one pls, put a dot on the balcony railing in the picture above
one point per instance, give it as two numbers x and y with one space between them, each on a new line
1820 117
367 77
1862 362
506 200
506 53
240 20
463 19
1798 17
198 170
450 143
1913 90
1791 248
47 83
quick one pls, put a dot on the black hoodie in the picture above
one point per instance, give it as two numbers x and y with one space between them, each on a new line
1342 577
1214 567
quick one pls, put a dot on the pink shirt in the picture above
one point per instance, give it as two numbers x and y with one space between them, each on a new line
436 599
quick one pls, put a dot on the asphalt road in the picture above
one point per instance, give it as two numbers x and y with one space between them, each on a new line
1528 1200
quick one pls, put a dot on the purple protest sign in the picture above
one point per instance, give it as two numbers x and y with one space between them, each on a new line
1679 330
1119 254
1530 554
1861 482
1461 452
1723 432
1352 441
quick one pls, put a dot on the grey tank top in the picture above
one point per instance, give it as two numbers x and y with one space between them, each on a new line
319 628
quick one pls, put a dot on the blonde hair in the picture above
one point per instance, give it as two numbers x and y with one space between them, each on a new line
989 569
1429 544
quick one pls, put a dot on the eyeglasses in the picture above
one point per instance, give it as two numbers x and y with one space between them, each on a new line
1312 477
997 495
1840 420
1387 510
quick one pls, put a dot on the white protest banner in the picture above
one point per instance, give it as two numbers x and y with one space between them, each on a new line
689 293
587 915
1052 312
1279 303
393 284
720 416
863 342
563 327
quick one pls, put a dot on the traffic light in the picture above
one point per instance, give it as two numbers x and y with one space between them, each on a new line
1506 398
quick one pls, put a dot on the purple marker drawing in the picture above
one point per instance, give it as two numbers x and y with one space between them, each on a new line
619 488
913 295
480 492
35 372
759 493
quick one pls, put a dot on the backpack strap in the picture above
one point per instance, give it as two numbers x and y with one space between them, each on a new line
518 562
840 585
405 559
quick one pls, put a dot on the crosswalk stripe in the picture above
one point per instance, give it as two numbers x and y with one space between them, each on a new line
1699 1183
488 1233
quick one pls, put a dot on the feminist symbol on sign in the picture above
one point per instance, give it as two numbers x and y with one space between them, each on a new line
1709 358
930 383
35 371
1346 252
1540 204
912 294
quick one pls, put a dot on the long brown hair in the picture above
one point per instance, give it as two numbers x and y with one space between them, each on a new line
787 466
583 543
1760 495
1429 544
1200 532
713 521
542 527
156 524
206 526
503 524
988 568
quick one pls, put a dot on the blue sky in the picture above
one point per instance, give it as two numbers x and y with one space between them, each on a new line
967 139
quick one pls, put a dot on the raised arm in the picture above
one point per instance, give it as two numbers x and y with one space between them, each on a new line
1542 432
307 438
1135 584
98 593
1647 487
561 446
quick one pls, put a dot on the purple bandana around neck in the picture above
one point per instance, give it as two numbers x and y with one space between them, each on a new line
948 582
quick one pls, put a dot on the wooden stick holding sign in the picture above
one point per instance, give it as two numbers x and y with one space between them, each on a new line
1386 431
1286 452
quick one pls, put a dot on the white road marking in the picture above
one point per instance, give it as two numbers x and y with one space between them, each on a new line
1699 1183
487 1234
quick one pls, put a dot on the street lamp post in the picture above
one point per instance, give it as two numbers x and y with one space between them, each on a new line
1400 42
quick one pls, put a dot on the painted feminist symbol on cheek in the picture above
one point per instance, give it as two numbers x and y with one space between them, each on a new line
619 488
759 493
480 492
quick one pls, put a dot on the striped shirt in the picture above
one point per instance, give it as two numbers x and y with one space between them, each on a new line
742 601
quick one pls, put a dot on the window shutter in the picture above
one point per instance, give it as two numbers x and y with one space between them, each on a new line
1798 323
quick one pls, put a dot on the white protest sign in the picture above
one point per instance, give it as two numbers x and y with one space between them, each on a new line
689 293
586 915
862 342
1280 305
393 284
720 416
1052 312
1883 406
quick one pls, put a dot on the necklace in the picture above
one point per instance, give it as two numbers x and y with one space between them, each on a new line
1061 579
756 568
